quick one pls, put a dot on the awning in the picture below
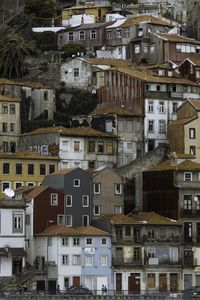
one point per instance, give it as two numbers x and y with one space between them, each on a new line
17 251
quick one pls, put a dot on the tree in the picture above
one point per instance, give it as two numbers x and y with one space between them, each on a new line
13 51
72 49
41 8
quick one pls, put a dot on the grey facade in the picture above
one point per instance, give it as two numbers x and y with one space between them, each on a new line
76 184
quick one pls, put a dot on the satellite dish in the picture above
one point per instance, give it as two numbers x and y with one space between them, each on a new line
195 198
9 192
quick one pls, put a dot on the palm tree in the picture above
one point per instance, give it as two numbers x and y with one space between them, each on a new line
13 51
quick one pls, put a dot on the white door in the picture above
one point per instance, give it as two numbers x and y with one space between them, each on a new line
101 280
89 283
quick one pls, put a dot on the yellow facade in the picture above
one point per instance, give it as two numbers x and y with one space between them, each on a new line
25 169
98 11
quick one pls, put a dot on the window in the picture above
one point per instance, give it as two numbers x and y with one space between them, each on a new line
76 145
161 72
151 252
104 241
118 209
174 107
76 182
77 164
5 185
187 229
30 183
85 221
192 133
91 146
85 200
109 147
150 107
6 168
108 35
88 241
68 200
64 241
91 164
76 72
17 223
137 49
100 147
97 210
151 233
12 146
119 33
136 254
120 50
127 230
162 126
187 176
18 169
152 48
5 146
30 169
5 127
193 150
76 260
76 241
51 169
118 188
146 49
187 202
161 107
151 280
45 95
97 188
93 34
69 220
65 259
126 32
151 125
60 219
70 36
17 184
104 260
4 109
89 260
54 199
42 169
81 35
12 127
66 282
12 109
197 200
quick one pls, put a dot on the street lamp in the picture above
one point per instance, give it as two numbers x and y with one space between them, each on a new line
48 222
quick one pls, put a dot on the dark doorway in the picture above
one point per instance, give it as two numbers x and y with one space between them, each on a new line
151 145
40 286
52 287
134 283
16 265
118 282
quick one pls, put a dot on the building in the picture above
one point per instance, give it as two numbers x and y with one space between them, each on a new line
76 256
77 186
12 237
76 147
146 252
190 68
25 169
108 196
10 125
183 132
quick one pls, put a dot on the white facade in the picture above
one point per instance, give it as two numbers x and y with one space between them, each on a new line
77 20
118 52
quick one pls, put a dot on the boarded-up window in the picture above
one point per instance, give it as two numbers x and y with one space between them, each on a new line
151 280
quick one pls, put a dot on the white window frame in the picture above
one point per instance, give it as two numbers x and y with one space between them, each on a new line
76 242
78 183
99 188
137 49
161 107
87 240
93 34
5 182
88 220
15 183
150 106
162 126
70 197
78 258
82 35
118 209
189 179
63 219
70 36
99 210
152 124
65 259
87 200
104 256
119 33
54 199
65 241
120 189
30 183
106 241
89 260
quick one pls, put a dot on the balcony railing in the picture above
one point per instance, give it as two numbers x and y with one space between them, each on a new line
122 261
146 239
161 261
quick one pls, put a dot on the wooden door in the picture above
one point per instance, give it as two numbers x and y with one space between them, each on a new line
162 282
76 280
118 282
134 283
173 282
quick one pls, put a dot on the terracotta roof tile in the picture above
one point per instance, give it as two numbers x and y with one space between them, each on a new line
146 19
110 62
83 131
186 165
152 218
62 230
182 121
115 110
117 219
176 38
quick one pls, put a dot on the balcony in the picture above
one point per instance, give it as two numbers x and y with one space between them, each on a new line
122 261
175 95
161 261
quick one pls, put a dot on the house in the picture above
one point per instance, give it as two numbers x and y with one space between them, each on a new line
91 36
37 99
123 33
10 125
12 237
172 189
183 132
77 186
128 126
163 47
88 73
146 252
25 169
84 147
190 68
108 196
76 256
145 93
